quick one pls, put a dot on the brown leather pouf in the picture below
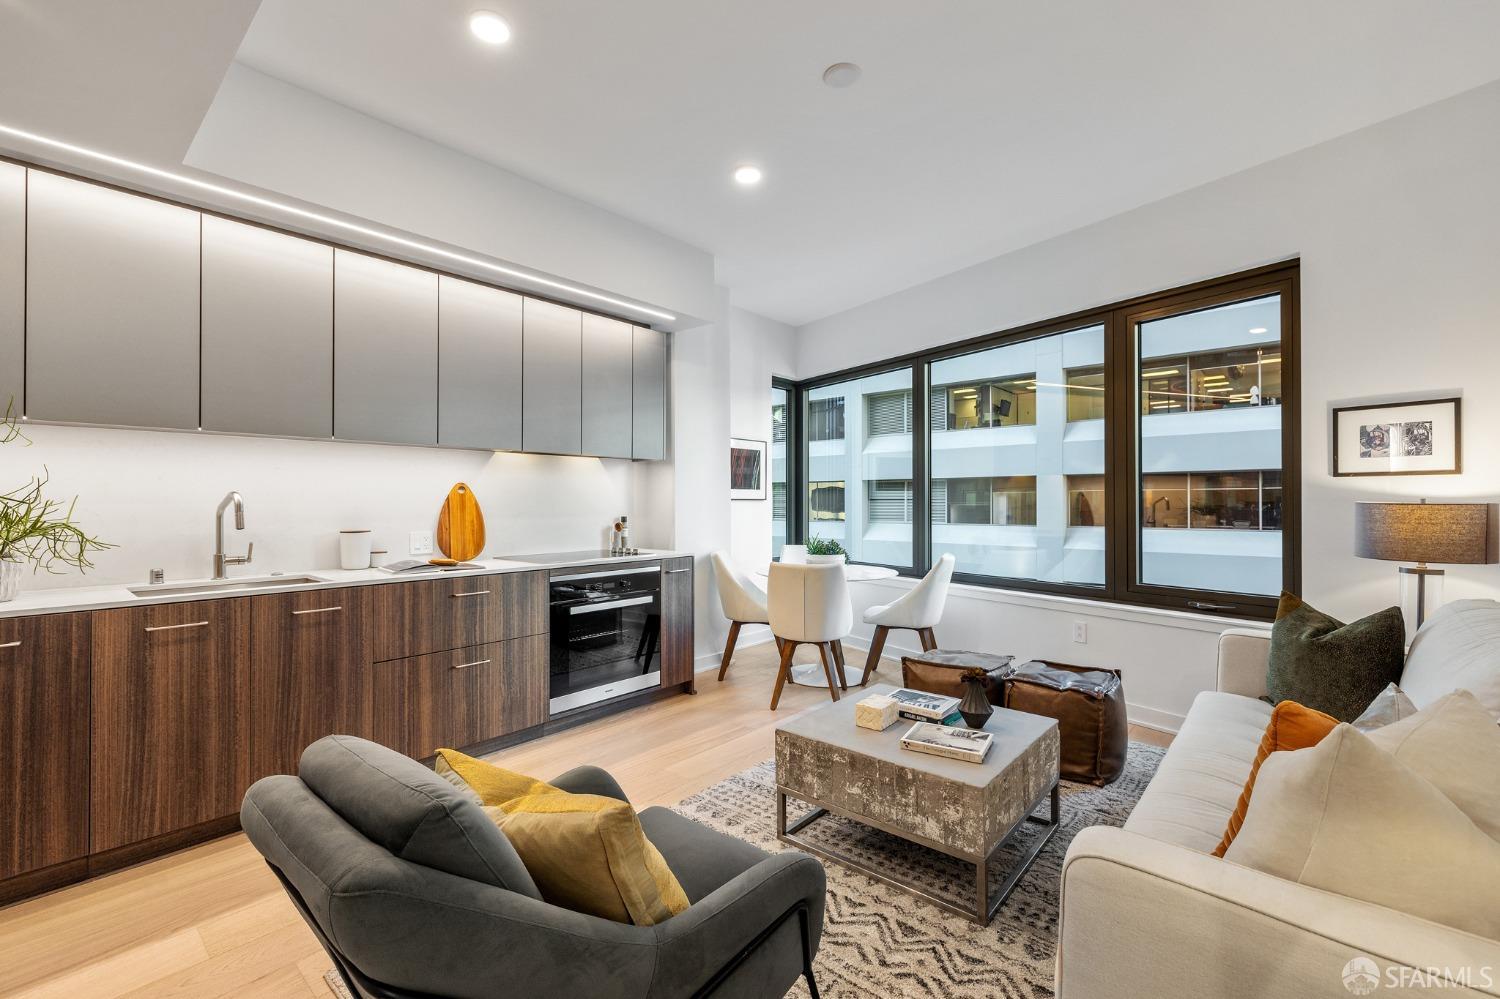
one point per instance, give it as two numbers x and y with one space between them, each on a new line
1089 705
941 671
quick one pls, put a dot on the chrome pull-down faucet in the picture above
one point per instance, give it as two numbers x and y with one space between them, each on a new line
222 561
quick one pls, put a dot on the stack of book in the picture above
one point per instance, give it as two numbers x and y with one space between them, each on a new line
920 706
943 740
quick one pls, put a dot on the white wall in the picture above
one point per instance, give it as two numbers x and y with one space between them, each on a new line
1398 230
759 349
154 494
265 132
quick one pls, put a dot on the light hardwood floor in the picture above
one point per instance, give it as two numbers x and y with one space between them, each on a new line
212 921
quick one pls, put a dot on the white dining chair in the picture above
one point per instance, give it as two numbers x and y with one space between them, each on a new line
794 554
743 602
919 609
809 605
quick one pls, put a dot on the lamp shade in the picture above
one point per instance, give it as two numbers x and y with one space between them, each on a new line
1445 533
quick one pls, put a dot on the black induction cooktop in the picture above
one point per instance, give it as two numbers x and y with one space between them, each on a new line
555 558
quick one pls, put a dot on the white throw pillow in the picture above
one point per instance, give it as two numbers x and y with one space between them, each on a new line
1347 817
1458 648
1455 746
1390 705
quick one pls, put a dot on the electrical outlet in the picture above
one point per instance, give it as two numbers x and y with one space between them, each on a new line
1081 632
421 543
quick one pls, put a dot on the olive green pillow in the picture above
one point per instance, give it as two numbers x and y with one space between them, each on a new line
1336 668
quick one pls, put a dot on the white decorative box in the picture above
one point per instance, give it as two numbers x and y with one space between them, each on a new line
877 712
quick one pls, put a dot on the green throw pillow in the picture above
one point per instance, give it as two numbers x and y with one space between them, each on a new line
1336 668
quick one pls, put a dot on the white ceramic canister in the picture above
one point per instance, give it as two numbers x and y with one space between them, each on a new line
354 549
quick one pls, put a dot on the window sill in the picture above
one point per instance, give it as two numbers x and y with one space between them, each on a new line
1161 616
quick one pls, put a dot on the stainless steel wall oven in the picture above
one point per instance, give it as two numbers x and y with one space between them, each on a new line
606 628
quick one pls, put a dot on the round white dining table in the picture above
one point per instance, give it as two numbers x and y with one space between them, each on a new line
811 674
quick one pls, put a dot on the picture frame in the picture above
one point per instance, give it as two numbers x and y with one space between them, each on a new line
1418 437
747 469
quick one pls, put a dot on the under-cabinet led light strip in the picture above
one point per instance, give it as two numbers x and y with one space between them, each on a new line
329 220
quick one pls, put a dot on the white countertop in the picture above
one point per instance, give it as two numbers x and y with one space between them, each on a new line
84 598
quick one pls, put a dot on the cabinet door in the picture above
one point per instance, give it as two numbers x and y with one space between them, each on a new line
553 379
312 675
608 386
171 718
470 695
111 305
267 332
44 741
12 285
479 366
676 621
385 318
410 619
649 441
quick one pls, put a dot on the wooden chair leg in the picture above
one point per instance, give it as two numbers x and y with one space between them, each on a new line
838 657
734 636
929 640
877 644
787 648
825 652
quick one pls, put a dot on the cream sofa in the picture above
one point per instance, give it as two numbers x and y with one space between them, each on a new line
1148 912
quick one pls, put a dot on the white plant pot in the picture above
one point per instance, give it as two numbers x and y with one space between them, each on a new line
10 579
826 559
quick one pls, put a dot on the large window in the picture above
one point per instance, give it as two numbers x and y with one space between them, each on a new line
859 462
1134 453
1209 436
781 463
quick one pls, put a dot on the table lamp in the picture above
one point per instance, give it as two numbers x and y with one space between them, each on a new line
1423 532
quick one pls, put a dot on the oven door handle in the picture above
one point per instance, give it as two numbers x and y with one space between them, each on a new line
612 604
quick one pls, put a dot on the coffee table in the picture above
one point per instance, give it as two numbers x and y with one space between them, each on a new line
965 810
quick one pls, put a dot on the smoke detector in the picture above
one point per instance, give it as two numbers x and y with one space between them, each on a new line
841 74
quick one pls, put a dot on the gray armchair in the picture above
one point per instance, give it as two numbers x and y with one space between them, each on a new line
415 893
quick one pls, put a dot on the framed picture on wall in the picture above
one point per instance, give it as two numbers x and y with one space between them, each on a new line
1398 438
747 469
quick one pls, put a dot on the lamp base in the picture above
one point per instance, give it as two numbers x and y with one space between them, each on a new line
1421 572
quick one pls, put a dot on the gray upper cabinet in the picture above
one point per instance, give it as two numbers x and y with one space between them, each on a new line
608 386
267 332
111 306
553 378
385 335
12 285
650 425
479 366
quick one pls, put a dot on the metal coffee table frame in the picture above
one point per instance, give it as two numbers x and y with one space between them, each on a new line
984 910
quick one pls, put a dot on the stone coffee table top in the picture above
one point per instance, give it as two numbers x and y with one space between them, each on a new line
961 808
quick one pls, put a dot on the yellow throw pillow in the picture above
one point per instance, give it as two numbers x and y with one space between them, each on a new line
586 852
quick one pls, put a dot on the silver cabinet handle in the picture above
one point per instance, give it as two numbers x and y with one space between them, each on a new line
471 593
670 571
11 645
174 627
478 662
319 610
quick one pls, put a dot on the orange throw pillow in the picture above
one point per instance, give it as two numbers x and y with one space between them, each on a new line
1292 726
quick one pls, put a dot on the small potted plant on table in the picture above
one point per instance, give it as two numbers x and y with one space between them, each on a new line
825 552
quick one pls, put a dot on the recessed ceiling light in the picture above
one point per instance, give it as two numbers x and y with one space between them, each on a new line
1258 330
490 27
841 74
747 176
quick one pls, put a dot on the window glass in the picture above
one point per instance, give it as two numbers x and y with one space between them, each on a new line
1012 428
780 463
859 466
1209 434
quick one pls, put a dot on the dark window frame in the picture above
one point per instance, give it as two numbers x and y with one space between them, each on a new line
1121 447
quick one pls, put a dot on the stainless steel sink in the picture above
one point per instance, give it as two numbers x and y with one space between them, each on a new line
208 587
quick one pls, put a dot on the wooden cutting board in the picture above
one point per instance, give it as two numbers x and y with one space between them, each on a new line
460 532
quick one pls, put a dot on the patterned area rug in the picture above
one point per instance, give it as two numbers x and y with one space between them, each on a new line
881 941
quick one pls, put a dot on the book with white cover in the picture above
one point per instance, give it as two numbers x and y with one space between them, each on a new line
942 740
922 704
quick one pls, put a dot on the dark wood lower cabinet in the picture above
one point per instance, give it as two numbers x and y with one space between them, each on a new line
471 695
44 742
311 675
171 718
676 621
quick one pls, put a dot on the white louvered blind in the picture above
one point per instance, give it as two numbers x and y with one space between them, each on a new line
889 501
940 501
888 413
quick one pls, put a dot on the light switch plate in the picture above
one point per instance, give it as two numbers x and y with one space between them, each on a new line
1081 632
421 543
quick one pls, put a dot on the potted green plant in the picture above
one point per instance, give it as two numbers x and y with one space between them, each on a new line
823 551
36 529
